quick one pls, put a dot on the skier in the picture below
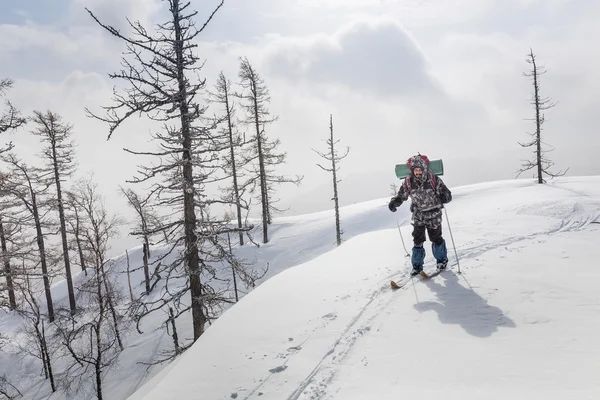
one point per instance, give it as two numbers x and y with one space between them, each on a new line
428 194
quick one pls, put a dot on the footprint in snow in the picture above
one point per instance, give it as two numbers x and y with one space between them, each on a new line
276 370
330 316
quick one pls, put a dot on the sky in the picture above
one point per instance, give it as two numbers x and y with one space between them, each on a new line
439 77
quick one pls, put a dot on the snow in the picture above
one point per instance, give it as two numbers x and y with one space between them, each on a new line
520 320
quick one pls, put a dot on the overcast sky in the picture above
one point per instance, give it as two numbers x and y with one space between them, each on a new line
440 77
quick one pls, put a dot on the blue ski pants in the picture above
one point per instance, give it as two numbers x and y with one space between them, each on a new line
438 245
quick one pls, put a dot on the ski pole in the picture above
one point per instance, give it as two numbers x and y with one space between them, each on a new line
452 237
401 238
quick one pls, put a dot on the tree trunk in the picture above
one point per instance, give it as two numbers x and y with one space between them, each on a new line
192 257
234 167
174 336
146 251
233 271
7 270
46 356
109 298
63 233
78 240
98 328
338 231
129 277
537 122
98 366
42 249
261 163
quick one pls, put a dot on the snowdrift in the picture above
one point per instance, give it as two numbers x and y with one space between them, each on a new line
520 321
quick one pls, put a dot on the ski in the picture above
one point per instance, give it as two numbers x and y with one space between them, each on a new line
431 275
394 285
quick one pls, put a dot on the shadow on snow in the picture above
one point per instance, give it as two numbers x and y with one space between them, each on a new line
460 305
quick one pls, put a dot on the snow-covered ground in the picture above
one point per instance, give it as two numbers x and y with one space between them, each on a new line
521 320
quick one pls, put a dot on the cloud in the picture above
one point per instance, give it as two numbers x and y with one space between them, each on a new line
115 12
375 56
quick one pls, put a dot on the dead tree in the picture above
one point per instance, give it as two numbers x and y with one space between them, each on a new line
75 223
233 162
28 186
6 231
94 340
144 218
36 343
58 153
333 157
101 227
255 97
541 104
160 73
8 273
10 117
14 238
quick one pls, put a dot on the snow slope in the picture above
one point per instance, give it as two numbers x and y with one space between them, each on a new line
293 240
521 320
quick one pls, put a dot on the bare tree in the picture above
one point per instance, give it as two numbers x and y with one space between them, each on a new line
6 232
75 223
95 340
10 118
8 273
233 162
59 153
28 185
35 344
541 104
145 216
255 97
161 85
333 157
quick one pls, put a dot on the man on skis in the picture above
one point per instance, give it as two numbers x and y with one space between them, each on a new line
428 194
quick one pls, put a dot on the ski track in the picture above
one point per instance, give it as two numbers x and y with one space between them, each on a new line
314 386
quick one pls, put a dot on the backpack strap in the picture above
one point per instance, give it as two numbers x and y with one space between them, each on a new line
433 180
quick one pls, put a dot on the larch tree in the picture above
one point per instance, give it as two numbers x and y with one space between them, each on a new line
161 73
145 218
74 218
540 104
29 187
59 154
36 342
233 161
10 117
334 158
263 156
8 227
94 339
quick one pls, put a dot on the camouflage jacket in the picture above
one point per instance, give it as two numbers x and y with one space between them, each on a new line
426 201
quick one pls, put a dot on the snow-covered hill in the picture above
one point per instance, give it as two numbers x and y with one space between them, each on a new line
520 321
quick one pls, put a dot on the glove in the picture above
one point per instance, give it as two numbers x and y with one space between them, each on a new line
446 197
394 203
